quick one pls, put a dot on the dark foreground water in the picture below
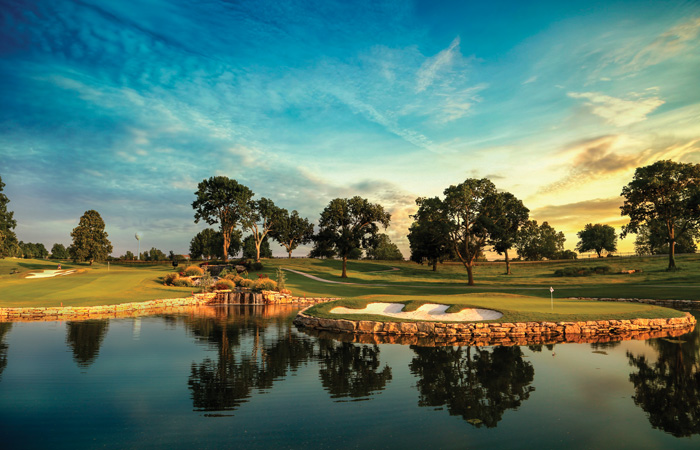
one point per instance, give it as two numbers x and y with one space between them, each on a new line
249 379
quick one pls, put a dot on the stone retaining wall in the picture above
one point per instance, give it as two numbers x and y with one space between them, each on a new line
275 298
480 331
104 311
649 301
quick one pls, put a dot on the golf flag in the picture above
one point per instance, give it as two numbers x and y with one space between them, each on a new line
551 289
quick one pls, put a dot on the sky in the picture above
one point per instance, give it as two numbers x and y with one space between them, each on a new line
124 107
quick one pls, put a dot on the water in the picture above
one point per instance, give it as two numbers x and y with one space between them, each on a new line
245 377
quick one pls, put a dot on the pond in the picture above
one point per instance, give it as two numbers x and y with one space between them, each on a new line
247 377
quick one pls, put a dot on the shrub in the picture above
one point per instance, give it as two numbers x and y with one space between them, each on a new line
223 284
223 273
255 266
183 282
246 283
264 284
169 279
582 271
281 279
193 271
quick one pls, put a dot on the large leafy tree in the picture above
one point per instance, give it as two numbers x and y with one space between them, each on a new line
465 211
90 242
261 218
348 224
223 201
8 239
668 192
384 250
251 249
651 240
33 250
209 243
538 242
59 251
428 236
597 237
292 230
507 214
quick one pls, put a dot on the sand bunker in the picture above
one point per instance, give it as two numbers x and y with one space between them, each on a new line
49 273
427 312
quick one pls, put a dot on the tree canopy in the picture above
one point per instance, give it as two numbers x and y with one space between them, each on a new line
292 230
347 224
667 192
59 251
90 242
384 250
538 242
651 240
252 250
208 243
428 236
223 201
8 240
465 211
597 237
507 214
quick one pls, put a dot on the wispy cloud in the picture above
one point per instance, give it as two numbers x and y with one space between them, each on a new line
431 68
617 111
670 43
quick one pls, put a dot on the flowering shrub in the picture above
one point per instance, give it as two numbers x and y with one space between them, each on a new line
264 284
223 284
183 282
169 279
246 283
193 271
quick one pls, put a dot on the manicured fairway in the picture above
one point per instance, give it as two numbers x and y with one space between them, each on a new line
94 285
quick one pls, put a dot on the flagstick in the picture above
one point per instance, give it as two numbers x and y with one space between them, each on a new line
551 297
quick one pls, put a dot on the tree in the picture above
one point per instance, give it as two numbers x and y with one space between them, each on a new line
32 250
292 230
208 243
507 215
538 242
347 224
651 240
428 236
252 250
383 249
465 211
597 237
154 254
8 239
128 256
260 220
85 339
58 251
224 201
668 192
90 241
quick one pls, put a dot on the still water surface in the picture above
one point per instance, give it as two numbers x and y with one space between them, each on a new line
245 377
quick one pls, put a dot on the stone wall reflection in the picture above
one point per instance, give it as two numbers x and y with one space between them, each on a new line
473 382
5 328
668 389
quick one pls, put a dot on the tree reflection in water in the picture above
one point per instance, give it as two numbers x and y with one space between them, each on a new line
4 329
85 339
668 390
252 352
474 383
351 370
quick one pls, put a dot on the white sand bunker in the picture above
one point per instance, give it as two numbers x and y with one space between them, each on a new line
427 312
49 273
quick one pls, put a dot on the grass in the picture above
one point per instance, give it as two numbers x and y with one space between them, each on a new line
522 296
515 308
89 286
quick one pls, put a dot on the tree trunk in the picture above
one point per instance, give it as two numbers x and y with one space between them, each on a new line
507 263
470 274
435 265
672 254
345 266
227 243
257 250
290 254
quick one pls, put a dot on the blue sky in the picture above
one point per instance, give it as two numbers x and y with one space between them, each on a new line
124 107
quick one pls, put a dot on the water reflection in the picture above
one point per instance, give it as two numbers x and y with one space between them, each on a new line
668 390
4 329
350 370
475 383
85 339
